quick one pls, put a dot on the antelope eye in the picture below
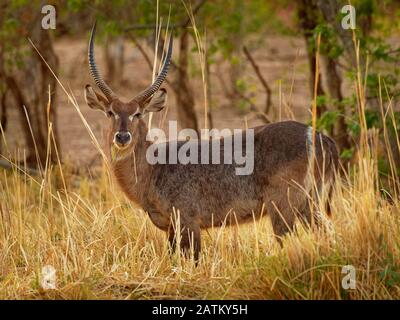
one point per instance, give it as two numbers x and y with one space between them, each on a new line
113 114
135 116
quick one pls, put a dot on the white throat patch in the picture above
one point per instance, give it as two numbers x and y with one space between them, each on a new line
310 142
308 181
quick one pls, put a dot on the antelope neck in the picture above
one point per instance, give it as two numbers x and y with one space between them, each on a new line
132 171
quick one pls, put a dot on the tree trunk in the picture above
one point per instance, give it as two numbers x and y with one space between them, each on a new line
30 89
330 10
308 19
334 83
20 101
114 56
49 83
36 89
182 88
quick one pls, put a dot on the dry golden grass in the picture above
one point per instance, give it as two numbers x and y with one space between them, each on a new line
102 247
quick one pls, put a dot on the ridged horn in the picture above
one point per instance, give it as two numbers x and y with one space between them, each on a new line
98 79
148 92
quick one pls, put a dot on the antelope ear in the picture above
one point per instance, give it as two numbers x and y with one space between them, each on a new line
157 102
95 100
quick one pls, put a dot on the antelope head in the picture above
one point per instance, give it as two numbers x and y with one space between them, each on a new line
124 117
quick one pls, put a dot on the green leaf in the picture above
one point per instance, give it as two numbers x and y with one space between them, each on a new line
327 120
347 154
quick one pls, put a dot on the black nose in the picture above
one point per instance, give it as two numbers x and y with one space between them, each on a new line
122 138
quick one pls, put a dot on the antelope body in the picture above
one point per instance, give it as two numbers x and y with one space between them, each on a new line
213 194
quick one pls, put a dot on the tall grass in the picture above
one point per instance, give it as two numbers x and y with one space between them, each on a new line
101 246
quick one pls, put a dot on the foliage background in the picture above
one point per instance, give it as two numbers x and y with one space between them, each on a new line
255 64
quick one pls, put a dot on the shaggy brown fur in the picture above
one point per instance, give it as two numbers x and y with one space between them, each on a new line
206 195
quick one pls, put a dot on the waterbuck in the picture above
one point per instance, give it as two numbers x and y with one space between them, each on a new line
211 195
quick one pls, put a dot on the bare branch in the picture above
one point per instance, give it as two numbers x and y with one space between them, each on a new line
264 83
145 55
260 115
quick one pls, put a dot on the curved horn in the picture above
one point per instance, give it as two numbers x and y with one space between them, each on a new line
95 72
147 93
